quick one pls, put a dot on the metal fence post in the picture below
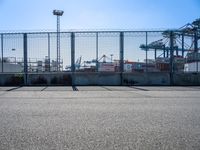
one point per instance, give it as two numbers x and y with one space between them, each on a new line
2 53
25 58
97 51
49 49
182 45
73 69
196 49
146 50
155 54
121 44
72 52
171 58
164 51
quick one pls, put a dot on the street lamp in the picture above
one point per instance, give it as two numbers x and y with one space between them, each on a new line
58 13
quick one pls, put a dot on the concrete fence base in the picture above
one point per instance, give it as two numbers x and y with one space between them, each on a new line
186 78
82 78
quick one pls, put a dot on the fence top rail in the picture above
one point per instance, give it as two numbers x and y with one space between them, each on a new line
87 31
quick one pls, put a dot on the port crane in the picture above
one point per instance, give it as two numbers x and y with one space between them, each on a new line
191 30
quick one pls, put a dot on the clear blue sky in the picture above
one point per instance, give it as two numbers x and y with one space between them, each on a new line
97 14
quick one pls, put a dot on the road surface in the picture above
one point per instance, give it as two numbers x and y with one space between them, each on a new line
100 118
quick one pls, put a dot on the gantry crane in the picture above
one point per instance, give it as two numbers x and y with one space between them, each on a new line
191 30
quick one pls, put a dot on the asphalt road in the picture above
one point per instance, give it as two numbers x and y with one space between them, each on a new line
99 118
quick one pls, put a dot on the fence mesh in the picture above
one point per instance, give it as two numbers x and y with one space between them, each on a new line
139 51
12 52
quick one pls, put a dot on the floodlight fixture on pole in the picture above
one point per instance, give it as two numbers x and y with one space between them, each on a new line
58 13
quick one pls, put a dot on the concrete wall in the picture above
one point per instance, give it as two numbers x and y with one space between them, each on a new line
150 78
101 79
186 79
97 78
49 79
11 79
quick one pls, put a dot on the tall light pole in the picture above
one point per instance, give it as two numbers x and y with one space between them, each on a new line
58 13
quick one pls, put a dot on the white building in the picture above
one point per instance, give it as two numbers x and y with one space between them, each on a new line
9 67
192 67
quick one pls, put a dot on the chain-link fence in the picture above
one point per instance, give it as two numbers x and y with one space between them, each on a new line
104 51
